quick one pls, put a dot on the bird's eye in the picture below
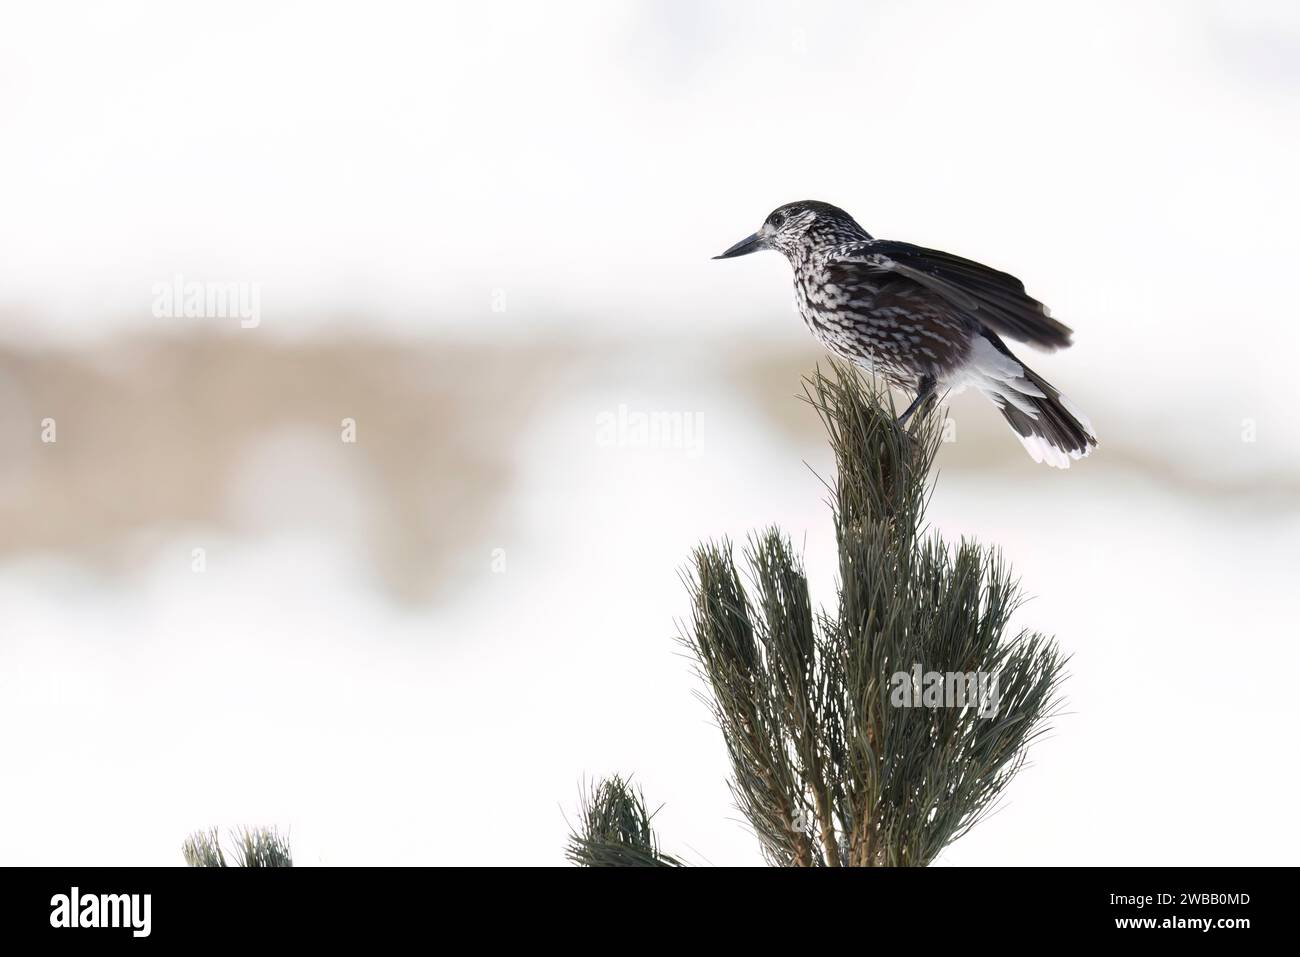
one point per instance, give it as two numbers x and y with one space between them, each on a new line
776 221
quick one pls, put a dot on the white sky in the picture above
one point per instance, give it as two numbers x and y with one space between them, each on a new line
401 161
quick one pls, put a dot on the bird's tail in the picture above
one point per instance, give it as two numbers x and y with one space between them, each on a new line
1048 424
1052 429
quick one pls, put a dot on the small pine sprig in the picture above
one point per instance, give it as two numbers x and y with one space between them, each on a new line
614 830
203 849
253 847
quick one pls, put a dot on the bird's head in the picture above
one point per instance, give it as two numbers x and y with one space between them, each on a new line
806 224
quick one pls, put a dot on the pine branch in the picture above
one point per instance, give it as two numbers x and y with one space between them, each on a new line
615 830
262 847
918 778
839 756
736 661
254 847
203 849
826 766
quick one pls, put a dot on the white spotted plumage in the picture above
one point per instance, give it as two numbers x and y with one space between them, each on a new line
925 321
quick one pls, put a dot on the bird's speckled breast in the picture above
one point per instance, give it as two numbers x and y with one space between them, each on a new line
896 330
827 310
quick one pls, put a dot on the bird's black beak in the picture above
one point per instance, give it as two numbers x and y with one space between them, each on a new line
750 244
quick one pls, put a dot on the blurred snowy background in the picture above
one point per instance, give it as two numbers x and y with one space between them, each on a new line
482 232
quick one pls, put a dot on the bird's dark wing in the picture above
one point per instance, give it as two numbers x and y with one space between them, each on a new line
996 299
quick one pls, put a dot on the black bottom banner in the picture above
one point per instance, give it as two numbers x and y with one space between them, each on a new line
132 907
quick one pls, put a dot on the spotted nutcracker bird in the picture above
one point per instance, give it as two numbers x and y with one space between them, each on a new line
925 321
